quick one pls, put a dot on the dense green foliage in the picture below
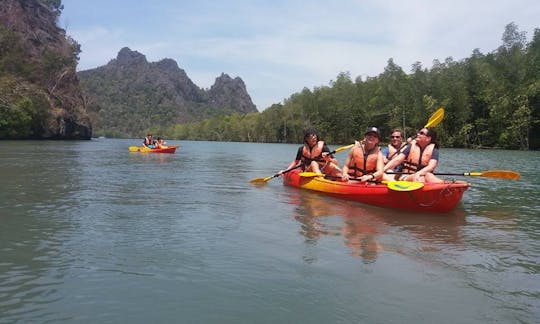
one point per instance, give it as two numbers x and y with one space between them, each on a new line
20 103
490 100
37 65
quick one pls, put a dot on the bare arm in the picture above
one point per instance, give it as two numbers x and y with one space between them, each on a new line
345 169
394 162
380 167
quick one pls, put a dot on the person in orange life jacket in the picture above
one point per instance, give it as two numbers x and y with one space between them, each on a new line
365 160
160 143
419 158
149 141
315 156
391 151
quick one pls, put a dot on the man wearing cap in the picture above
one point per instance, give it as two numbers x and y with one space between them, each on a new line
365 160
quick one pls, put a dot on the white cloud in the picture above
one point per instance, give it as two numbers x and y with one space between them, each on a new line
279 47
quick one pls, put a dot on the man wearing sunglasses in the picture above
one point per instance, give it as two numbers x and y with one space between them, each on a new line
391 151
419 158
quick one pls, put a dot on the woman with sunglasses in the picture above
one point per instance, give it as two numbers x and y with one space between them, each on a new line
419 158
315 156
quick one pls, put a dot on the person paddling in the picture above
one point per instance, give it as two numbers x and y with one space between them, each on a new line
149 141
160 143
419 158
393 148
314 156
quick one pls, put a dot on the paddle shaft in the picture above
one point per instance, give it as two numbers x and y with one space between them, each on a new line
498 174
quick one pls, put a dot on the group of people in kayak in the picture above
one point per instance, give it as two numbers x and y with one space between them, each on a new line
414 160
152 143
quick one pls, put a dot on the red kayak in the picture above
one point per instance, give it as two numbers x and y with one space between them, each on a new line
142 149
432 197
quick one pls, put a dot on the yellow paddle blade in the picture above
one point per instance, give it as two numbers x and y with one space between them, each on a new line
310 174
403 185
134 149
261 180
501 174
436 118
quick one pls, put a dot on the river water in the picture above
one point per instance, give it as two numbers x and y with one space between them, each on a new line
92 233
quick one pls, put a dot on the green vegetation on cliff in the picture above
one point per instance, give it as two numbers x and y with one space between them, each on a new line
39 93
130 94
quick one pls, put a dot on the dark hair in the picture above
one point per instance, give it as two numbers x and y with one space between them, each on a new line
311 131
431 133
397 130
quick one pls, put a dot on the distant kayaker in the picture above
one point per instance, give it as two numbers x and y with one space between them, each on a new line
160 143
419 158
365 160
315 156
149 141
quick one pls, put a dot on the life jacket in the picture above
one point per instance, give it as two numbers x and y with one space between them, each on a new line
362 163
147 141
393 151
312 154
418 158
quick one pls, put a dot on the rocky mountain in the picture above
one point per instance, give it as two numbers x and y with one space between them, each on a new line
129 95
40 96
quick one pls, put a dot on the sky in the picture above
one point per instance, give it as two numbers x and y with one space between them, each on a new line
280 47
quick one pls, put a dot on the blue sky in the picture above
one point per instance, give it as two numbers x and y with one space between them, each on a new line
279 47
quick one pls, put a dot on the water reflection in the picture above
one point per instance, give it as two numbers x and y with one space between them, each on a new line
368 231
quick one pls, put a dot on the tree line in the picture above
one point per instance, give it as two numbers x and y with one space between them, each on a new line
490 101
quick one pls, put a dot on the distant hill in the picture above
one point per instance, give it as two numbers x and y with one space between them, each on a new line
129 95
40 96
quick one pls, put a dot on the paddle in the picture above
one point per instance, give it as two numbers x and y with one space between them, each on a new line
403 185
134 149
435 118
392 185
264 180
497 174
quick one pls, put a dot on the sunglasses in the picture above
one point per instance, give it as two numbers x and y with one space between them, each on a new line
395 136
422 133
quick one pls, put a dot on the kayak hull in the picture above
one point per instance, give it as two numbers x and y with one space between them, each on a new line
142 149
432 197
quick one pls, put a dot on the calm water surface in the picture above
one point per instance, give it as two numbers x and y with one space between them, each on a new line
91 233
